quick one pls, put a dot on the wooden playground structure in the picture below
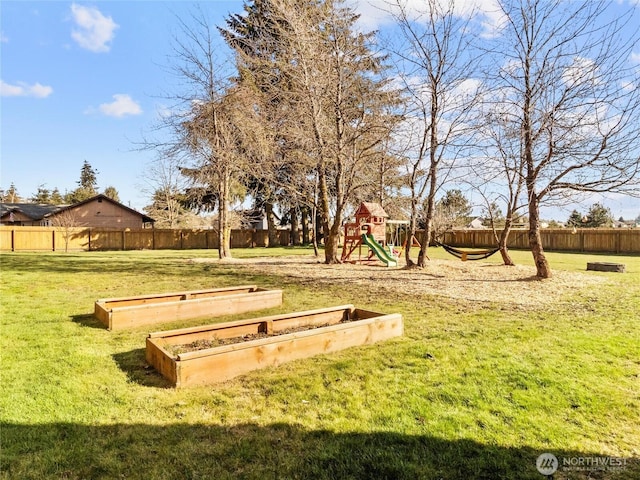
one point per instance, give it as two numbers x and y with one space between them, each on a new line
369 235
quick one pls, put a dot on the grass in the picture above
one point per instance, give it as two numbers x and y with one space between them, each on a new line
470 391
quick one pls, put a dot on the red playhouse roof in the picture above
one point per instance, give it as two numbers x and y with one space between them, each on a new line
371 209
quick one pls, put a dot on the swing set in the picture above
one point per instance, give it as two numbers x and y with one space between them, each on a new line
387 239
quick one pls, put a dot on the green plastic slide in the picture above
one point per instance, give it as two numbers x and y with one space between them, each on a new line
379 250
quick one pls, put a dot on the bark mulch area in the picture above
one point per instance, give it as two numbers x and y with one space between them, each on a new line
476 281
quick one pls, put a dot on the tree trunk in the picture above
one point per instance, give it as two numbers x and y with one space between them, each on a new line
221 234
318 232
535 240
295 230
224 231
411 231
502 243
271 225
331 244
431 201
331 234
428 226
306 238
424 244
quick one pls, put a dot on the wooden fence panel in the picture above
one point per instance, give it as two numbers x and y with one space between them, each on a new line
560 240
242 239
47 238
33 238
138 239
106 239
284 237
166 239
599 241
629 241
611 240
6 240
71 239
194 239
212 238
260 238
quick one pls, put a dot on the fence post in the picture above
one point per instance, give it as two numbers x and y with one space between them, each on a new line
53 240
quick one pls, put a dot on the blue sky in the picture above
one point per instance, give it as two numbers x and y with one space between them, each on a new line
86 80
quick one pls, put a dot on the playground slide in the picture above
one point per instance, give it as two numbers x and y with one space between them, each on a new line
379 250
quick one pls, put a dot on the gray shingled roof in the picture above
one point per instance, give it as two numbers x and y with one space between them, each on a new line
35 211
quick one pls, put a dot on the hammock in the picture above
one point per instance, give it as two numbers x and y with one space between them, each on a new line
472 255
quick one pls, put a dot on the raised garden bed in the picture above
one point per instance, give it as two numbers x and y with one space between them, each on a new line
129 312
327 330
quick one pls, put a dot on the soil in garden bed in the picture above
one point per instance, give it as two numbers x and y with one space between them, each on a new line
218 342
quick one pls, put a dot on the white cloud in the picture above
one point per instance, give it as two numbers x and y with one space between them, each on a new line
95 31
121 106
22 89
3 38
582 71
635 57
487 13
628 86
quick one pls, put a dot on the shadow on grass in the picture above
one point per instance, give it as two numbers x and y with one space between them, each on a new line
49 263
88 320
134 364
271 451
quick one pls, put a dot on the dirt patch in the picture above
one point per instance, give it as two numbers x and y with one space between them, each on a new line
467 281
217 342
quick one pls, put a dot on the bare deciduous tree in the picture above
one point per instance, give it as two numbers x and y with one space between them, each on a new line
437 69
573 97
165 186
204 127
498 175
66 222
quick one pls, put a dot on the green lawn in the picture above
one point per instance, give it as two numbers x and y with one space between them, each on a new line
471 391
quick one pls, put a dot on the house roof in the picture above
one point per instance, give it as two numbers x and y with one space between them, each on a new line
35 211
38 211
374 209
145 218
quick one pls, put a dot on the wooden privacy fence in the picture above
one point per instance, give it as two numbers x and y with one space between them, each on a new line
609 240
17 239
59 239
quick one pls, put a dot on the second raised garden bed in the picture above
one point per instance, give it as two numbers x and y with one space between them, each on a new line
285 337
130 312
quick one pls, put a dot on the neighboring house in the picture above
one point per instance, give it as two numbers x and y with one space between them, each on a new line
25 214
99 211
476 223
625 224
255 219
